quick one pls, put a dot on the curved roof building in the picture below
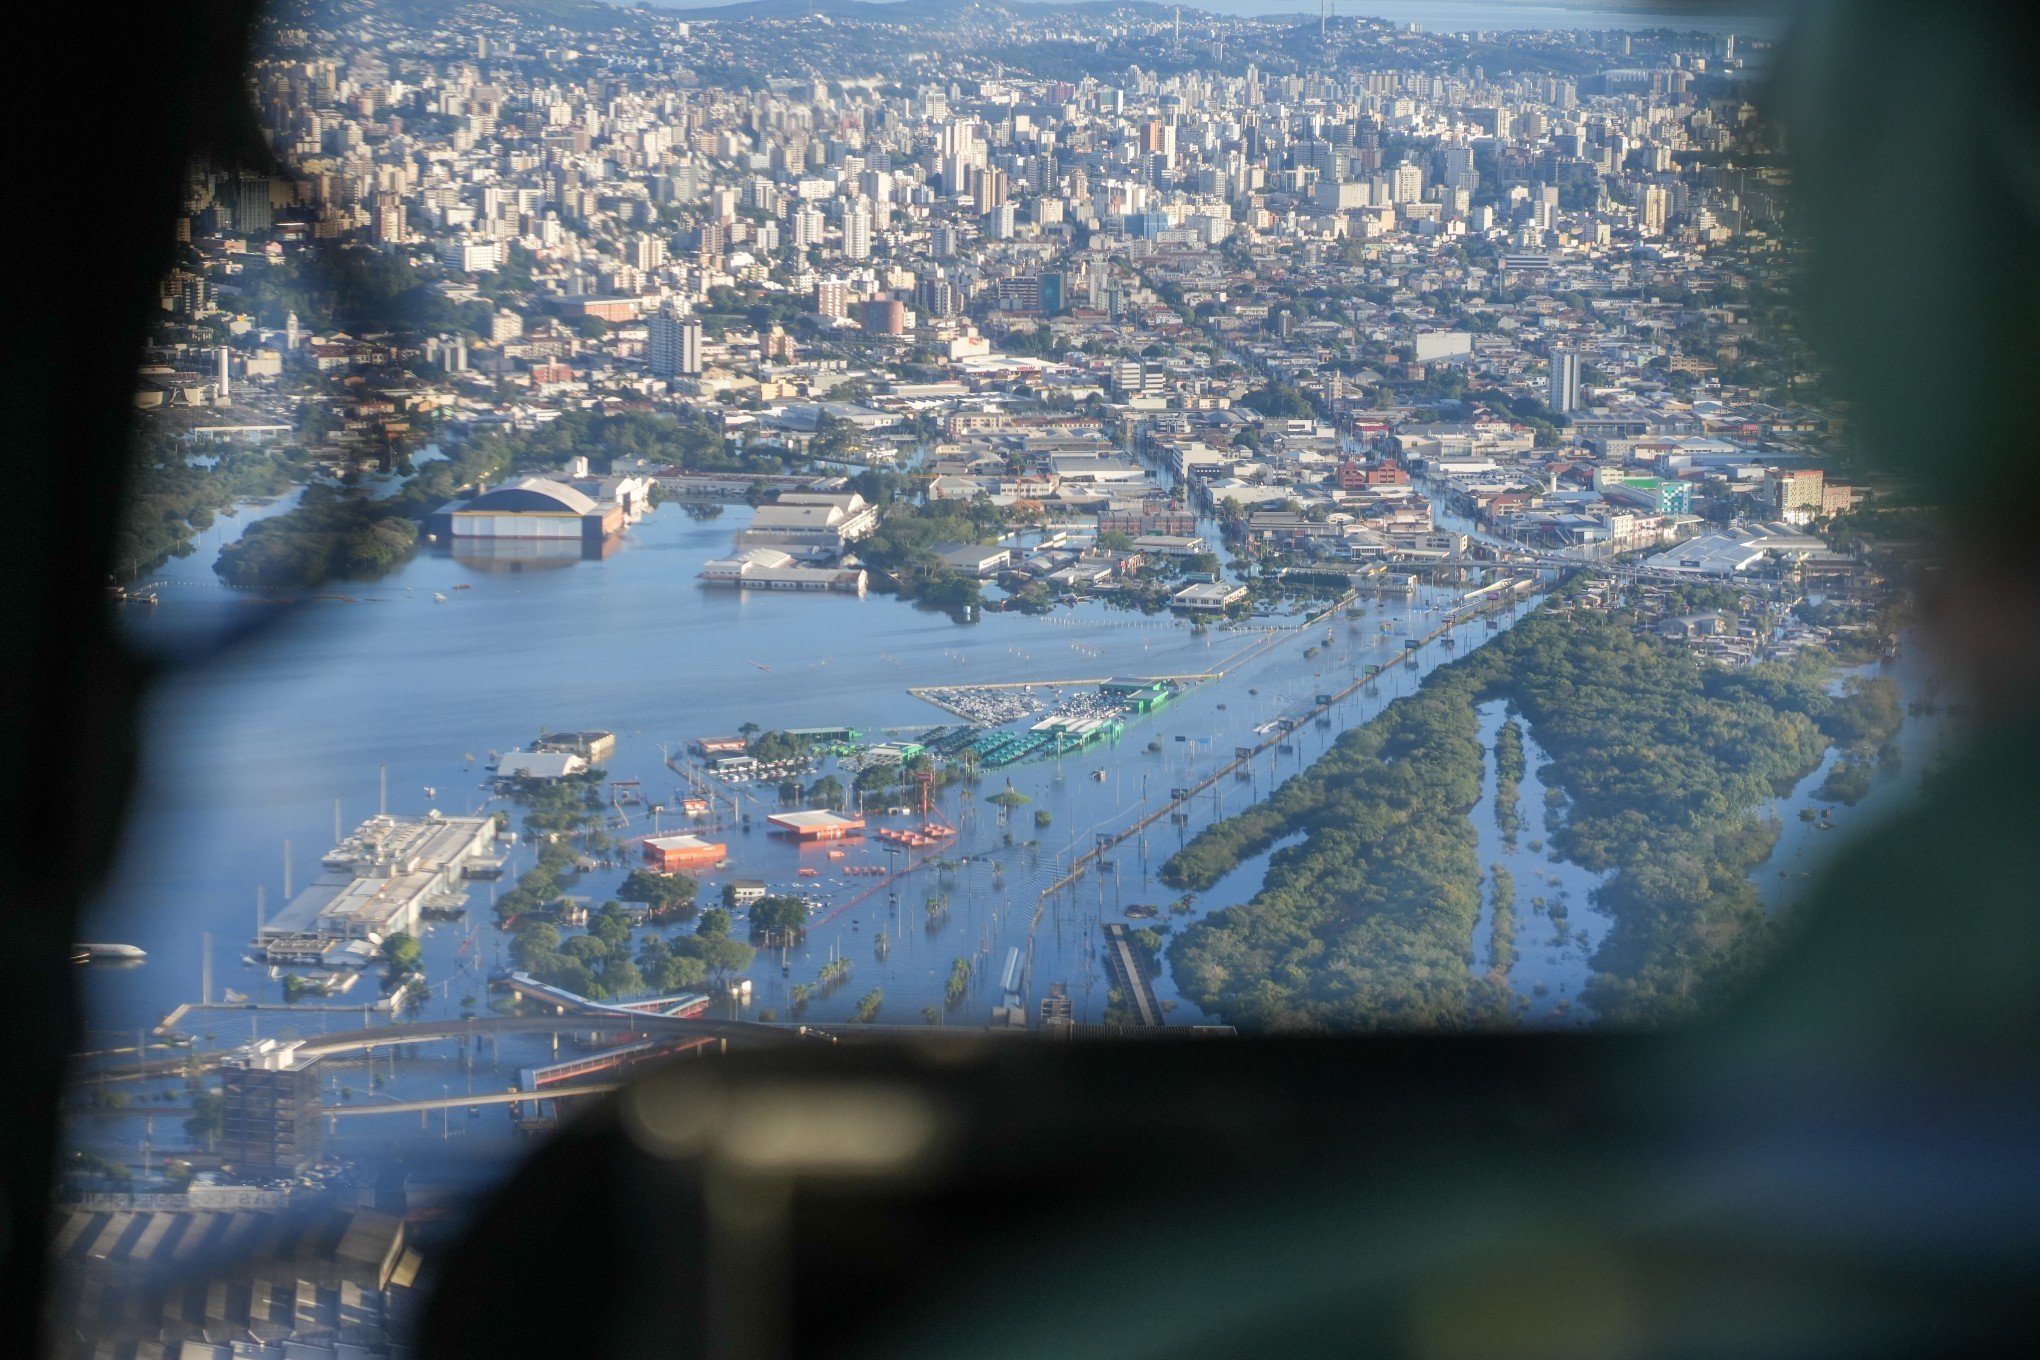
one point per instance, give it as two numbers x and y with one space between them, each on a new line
531 495
533 507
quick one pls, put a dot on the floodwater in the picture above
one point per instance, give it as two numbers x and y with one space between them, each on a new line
1556 925
254 747
1927 737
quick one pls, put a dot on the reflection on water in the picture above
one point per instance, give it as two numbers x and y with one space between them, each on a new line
1550 920
527 554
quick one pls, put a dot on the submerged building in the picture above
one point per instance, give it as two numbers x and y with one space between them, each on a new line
817 824
378 881
771 569
669 854
810 524
531 508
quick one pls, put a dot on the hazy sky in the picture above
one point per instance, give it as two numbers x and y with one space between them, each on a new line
1709 14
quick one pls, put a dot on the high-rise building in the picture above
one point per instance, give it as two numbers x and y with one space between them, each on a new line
673 346
937 296
388 225
690 347
1053 293
807 227
269 1110
1656 206
1564 394
1455 168
251 204
1406 185
857 233
832 299
1796 493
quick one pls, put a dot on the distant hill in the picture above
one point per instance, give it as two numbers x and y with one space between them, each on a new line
891 11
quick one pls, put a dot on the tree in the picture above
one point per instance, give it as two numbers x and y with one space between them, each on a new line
714 922
535 939
779 912
663 893
621 977
402 952
611 925
680 973
720 954
1279 401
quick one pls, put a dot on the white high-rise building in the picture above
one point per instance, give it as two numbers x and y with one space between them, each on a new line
1564 395
1407 184
1455 168
807 228
857 233
1656 207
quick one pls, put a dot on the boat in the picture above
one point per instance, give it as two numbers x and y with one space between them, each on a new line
438 598
107 953
1098 775
759 664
